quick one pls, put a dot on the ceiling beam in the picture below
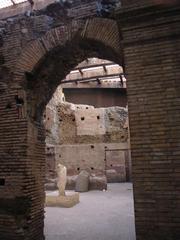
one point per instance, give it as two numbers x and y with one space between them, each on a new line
104 65
105 69
13 2
94 78
81 72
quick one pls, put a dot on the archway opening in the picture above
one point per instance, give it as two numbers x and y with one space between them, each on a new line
89 132
53 57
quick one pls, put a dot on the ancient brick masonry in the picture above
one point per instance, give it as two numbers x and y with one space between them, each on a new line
12 147
151 41
24 42
87 138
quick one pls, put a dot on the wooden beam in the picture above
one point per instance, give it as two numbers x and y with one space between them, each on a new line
81 72
104 65
13 2
92 79
105 69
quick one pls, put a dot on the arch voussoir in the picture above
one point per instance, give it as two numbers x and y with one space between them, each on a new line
104 31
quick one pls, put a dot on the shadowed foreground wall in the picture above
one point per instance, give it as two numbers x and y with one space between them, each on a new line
30 71
151 42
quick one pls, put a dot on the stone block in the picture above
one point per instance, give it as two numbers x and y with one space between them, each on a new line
98 183
67 201
82 182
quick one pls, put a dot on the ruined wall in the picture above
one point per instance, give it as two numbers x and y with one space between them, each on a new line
86 124
90 7
85 134
151 56
79 136
106 162
51 125
51 117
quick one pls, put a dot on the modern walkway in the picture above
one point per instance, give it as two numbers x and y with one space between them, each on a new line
99 216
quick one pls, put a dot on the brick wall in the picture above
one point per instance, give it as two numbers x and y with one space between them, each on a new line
88 8
14 202
24 42
151 48
151 42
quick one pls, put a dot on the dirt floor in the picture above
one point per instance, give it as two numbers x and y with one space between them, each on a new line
99 216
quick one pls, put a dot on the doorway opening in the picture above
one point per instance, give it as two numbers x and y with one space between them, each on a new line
86 124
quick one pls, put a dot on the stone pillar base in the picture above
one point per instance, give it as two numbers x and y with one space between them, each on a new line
67 201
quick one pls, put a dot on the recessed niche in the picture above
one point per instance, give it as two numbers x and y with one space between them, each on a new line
87 108
78 168
2 181
25 227
98 117
19 101
92 168
82 118
111 165
73 120
28 218
92 146
8 106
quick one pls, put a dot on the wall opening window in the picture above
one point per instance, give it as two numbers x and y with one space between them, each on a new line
2 181
8 3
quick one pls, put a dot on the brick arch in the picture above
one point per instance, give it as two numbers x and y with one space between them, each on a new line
64 47
83 38
151 44
105 31
101 30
